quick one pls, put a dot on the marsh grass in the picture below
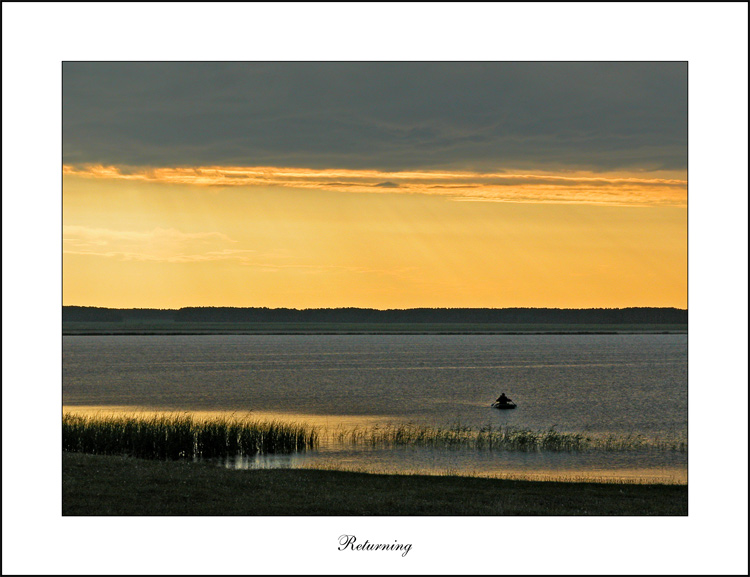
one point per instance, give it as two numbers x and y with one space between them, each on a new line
175 436
502 438
185 435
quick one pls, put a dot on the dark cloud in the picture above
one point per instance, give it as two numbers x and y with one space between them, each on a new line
387 185
387 116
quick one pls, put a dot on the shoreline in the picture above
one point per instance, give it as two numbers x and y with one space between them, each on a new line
114 485
406 333
138 327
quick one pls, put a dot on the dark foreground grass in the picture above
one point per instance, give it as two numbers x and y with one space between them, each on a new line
112 485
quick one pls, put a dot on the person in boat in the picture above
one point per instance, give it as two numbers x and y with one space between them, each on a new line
503 400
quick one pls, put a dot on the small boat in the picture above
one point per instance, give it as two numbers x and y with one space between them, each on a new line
502 406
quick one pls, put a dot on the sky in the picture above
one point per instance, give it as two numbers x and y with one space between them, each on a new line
375 184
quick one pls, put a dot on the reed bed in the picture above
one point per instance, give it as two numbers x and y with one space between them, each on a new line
502 438
175 436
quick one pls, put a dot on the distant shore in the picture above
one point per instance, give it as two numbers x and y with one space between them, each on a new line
241 328
79 320
111 485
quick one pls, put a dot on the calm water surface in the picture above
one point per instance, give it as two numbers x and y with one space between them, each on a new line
624 384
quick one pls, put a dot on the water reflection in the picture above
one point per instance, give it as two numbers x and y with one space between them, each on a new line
606 383
642 466
291 461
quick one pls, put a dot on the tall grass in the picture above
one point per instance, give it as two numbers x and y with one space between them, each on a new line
504 438
174 436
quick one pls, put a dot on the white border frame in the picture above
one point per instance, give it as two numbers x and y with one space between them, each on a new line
38 36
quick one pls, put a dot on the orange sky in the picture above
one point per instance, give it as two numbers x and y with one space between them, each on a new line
375 184
627 189
170 237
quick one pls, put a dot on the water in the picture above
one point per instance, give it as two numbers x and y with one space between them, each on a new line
621 384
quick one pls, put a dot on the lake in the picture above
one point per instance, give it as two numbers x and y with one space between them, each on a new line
620 384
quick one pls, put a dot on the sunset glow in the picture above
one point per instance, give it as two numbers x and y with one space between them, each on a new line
585 188
129 243
341 185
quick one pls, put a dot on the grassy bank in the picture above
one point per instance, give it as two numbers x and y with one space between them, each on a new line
112 485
